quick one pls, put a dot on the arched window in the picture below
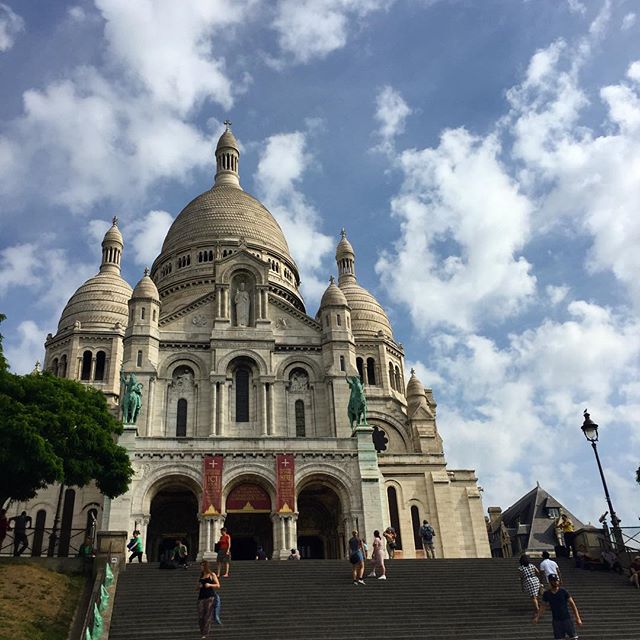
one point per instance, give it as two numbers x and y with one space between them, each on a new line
181 419
394 516
342 364
139 359
86 366
242 394
38 533
398 381
142 313
67 521
338 320
360 368
392 377
54 367
415 524
371 370
300 423
101 359
154 315
62 370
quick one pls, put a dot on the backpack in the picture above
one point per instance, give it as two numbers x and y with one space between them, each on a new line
427 532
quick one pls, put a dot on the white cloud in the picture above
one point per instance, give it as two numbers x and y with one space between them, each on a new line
556 294
575 6
628 21
463 222
309 29
146 235
391 113
18 265
169 47
23 352
518 408
282 163
11 24
112 143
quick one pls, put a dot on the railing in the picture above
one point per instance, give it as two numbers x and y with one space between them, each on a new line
93 625
46 542
631 538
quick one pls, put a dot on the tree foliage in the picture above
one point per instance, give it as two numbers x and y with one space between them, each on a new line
56 430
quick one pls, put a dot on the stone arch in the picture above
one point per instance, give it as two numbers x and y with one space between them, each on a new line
393 428
288 364
165 476
238 265
248 475
225 362
175 360
334 478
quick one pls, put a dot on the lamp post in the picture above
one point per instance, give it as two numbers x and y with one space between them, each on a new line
590 430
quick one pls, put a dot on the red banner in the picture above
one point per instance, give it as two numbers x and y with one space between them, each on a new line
212 485
285 483
248 497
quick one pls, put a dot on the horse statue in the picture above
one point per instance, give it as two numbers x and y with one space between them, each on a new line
357 409
131 398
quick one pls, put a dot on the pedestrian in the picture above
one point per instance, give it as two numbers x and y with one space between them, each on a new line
529 580
261 554
548 566
294 555
427 534
4 527
136 547
569 534
180 554
611 560
634 572
377 558
559 600
390 538
356 558
207 585
224 553
20 525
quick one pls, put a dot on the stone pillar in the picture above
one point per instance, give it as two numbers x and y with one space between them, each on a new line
213 431
264 408
271 408
222 401
293 532
371 480
111 547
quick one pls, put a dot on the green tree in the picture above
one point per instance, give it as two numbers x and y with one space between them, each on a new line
56 430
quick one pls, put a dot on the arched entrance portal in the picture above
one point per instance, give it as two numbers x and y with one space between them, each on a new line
320 533
174 514
248 521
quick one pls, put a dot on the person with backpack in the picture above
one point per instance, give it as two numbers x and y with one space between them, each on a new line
427 534
136 547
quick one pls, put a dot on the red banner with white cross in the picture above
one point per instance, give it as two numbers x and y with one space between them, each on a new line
285 484
212 485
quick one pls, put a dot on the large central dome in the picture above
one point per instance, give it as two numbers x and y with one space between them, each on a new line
225 212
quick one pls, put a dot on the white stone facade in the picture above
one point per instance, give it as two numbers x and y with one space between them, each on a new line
232 364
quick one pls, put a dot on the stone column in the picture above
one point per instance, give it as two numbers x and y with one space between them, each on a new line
92 374
213 431
222 398
270 408
264 408
293 532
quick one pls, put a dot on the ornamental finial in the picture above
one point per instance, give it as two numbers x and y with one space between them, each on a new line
115 221
227 123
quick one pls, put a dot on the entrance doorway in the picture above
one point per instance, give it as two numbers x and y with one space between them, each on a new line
174 515
320 535
248 521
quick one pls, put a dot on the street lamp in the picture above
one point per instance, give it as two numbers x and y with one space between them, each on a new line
590 430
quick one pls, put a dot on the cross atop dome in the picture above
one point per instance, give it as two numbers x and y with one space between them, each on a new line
227 123
115 221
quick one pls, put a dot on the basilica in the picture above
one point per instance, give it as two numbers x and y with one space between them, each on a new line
243 396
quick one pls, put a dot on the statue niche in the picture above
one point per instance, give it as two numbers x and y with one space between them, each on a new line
242 304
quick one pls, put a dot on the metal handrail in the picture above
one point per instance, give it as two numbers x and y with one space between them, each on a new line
72 540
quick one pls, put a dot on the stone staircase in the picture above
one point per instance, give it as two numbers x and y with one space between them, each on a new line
477 599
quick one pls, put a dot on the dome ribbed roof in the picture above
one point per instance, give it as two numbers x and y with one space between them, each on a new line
99 303
367 316
227 139
333 296
146 288
225 212
415 387
113 235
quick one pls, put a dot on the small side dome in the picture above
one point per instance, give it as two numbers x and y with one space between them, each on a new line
227 140
367 315
333 296
414 387
344 248
146 288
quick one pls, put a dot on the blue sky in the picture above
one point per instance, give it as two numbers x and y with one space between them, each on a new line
484 157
